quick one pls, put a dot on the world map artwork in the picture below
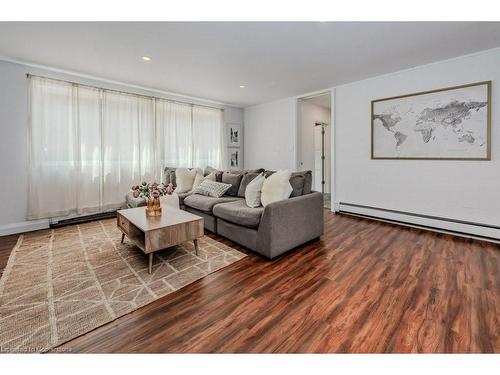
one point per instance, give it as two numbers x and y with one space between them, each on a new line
452 123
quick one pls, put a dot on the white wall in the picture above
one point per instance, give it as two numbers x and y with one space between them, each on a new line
462 190
13 138
270 135
311 113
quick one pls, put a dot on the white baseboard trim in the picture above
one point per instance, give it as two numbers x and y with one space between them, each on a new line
458 227
25 226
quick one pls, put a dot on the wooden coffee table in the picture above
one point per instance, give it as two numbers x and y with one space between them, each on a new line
153 233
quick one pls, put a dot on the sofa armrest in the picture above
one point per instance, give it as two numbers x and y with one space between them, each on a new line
290 223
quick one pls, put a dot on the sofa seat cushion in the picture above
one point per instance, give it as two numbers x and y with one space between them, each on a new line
205 203
238 212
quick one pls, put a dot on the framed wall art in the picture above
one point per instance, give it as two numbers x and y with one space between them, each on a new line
452 123
234 135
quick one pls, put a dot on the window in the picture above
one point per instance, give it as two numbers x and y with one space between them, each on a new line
88 146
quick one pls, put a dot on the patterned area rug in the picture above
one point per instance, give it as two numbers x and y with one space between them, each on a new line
62 283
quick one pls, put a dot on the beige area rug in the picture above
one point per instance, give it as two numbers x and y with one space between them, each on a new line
62 283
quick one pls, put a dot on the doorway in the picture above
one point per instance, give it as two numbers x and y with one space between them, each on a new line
314 141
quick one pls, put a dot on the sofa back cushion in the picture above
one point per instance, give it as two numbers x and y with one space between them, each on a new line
247 178
233 178
218 174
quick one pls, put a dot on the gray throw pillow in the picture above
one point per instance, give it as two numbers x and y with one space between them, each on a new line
301 183
233 179
297 182
307 182
247 178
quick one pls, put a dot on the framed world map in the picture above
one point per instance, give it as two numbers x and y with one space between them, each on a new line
452 123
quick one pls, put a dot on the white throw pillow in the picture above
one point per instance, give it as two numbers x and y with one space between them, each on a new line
276 187
253 191
184 179
199 179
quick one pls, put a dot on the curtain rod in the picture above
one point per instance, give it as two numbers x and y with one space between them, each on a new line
28 75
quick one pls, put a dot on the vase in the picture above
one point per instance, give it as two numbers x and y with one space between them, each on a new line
153 207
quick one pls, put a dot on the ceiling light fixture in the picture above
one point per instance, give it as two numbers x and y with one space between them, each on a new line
242 86
146 58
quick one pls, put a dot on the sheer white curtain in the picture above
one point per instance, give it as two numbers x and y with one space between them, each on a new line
88 146
63 147
207 137
128 139
174 141
189 135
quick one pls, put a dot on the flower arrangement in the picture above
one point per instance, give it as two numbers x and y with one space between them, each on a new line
153 190
152 193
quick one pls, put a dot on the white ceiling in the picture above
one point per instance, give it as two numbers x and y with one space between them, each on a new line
272 59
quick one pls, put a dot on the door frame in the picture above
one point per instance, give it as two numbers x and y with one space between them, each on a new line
298 117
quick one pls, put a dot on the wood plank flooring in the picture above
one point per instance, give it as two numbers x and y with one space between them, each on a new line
365 287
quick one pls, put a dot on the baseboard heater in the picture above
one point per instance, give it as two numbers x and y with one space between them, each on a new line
462 228
83 219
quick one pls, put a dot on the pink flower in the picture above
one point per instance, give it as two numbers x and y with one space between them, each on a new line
135 193
156 194
154 185
169 189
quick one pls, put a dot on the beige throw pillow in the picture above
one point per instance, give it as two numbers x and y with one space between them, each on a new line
276 187
253 191
184 179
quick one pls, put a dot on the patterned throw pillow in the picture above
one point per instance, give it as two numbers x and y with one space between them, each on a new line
199 179
212 188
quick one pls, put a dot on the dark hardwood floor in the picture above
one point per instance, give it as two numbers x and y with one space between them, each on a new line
365 287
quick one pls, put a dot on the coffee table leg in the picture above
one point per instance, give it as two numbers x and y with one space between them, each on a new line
123 237
150 262
196 246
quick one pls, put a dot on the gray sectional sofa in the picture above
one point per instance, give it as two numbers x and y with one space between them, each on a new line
269 231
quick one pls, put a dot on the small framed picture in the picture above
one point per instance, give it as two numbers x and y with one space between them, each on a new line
234 135
234 158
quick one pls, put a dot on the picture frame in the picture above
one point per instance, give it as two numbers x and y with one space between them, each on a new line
234 158
234 135
452 123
